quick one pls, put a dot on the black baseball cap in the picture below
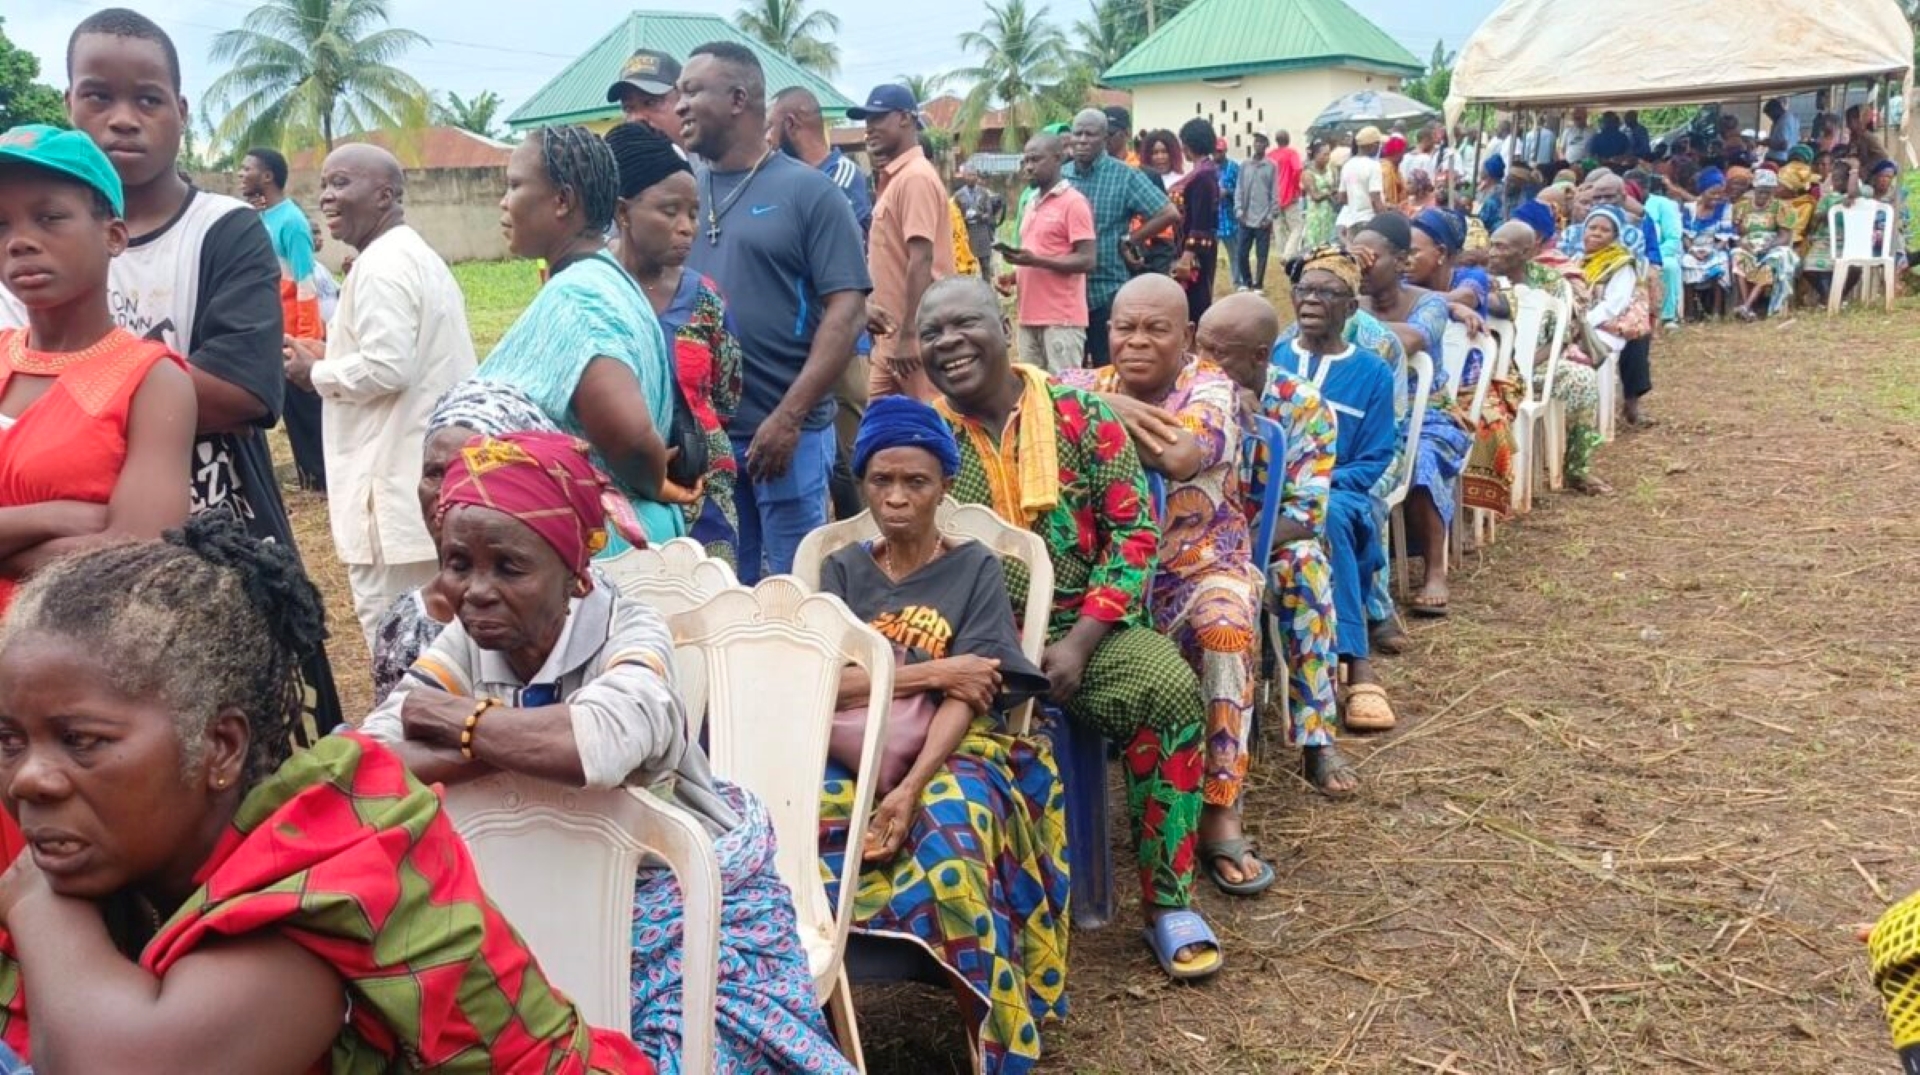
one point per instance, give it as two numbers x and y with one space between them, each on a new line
885 99
1118 118
649 71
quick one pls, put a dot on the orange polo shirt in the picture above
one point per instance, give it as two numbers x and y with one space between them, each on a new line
912 205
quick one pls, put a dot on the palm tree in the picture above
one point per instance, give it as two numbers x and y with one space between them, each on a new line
1021 55
304 69
1107 36
789 28
473 114
924 87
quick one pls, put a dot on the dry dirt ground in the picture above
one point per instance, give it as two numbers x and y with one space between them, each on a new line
1643 787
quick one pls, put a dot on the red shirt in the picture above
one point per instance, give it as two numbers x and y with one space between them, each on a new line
1056 220
1286 175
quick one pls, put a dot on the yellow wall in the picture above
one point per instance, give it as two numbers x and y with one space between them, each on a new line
1285 100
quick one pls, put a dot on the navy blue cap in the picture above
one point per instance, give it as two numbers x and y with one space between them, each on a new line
885 99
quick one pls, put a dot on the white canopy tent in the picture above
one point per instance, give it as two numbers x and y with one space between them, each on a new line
1539 55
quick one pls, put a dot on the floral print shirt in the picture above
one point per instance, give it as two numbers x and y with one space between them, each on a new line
1101 536
1205 528
1306 419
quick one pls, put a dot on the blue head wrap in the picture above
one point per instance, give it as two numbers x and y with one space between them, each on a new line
1497 167
1614 216
1710 178
1447 230
1539 217
904 422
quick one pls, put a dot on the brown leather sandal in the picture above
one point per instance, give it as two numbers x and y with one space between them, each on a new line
1366 709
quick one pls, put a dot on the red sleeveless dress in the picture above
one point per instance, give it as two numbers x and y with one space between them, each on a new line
71 443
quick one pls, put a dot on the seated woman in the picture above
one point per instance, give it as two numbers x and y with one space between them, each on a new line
470 409
1765 255
654 221
1361 389
97 423
1439 237
149 694
1520 255
589 349
997 921
1818 267
1706 265
547 673
1611 278
1183 419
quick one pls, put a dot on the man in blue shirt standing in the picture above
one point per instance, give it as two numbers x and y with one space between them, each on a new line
781 241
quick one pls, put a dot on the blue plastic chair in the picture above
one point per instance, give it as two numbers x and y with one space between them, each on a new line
1081 754
1262 472
1157 495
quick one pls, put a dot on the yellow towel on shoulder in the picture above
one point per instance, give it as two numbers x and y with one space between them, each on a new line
1022 471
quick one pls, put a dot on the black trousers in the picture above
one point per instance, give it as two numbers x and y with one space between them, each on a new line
1636 367
1256 241
301 412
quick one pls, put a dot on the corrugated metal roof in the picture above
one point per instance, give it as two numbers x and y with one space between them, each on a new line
578 94
1225 38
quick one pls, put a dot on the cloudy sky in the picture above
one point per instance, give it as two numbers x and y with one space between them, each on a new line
513 48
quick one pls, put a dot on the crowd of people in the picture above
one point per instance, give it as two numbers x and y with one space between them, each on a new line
735 341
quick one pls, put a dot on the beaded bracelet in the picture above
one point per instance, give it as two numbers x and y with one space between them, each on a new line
473 722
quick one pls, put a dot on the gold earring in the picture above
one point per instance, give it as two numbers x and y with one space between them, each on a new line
220 782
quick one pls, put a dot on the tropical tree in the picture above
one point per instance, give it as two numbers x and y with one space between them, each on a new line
789 28
1112 32
474 114
1022 56
304 70
925 87
1432 86
23 99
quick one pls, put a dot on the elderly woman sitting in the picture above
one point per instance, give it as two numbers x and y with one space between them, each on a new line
958 799
471 408
1765 256
189 876
546 673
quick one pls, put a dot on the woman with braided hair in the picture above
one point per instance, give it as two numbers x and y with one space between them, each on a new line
588 349
653 224
188 873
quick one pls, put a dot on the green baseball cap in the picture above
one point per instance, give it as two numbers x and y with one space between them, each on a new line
71 153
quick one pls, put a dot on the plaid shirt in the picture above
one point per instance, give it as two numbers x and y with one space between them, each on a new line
1118 194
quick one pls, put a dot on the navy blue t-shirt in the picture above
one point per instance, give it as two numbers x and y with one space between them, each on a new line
788 241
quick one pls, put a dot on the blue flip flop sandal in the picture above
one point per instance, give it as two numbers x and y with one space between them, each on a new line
1182 929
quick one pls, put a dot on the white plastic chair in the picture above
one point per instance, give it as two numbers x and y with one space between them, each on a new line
773 656
961 522
1473 526
674 577
527 835
1397 521
1540 427
1851 231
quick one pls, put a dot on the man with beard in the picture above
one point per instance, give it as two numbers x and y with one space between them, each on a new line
646 94
199 275
777 236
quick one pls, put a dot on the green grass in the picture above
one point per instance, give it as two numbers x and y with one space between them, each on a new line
497 292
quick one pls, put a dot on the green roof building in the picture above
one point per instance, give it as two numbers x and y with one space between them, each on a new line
578 94
1257 65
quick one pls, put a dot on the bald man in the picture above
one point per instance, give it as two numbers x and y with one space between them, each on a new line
1051 264
1184 419
1237 334
1119 195
1109 669
397 342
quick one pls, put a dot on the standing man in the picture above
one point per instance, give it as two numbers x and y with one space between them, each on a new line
1363 190
263 183
780 234
399 341
1573 140
1423 157
911 244
1120 136
1289 197
1052 262
1118 194
1641 140
1254 204
796 127
1226 230
198 275
1783 131
983 211
1539 144
646 93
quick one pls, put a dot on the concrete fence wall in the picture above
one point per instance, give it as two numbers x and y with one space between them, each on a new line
457 210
